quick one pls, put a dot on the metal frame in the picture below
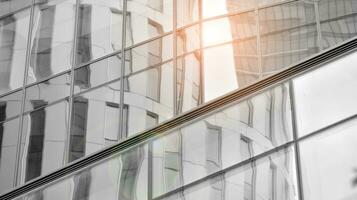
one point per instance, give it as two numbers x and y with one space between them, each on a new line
189 117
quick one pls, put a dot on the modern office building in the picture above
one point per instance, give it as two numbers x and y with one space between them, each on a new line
178 99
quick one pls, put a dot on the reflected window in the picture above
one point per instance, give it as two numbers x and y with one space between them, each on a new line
13 45
111 130
51 48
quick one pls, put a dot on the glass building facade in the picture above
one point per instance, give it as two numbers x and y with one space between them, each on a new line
80 76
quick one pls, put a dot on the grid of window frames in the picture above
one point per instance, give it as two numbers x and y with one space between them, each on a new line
79 75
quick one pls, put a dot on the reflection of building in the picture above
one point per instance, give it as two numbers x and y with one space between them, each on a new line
78 76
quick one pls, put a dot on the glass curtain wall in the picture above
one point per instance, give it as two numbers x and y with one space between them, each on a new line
79 75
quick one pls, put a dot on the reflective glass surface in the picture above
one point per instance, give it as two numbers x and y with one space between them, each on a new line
321 101
148 97
8 153
271 177
48 91
14 29
97 73
95 120
10 105
338 21
43 140
52 38
99 28
328 163
146 19
187 12
221 140
189 87
149 54
188 39
288 35
9 6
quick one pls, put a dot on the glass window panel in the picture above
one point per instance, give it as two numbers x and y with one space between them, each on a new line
187 12
236 27
329 163
124 176
251 181
288 35
150 90
222 139
338 21
10 105
325 96
99 29
95 120
8 153
189 89
9 6
188 39
52 38
149 54
47 91
97 73
144 21
44 138
221 7
14 30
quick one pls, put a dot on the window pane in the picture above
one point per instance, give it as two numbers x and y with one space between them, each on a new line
189 89
325 96
147 20
44 136
47 92
13 43
99 29
220 7
51 48
97 73
95 120
329 163
8 153
338 21
8 6
149 54
124 176
288 35
187 12
188 40
270 177
222 139
149 91
10 105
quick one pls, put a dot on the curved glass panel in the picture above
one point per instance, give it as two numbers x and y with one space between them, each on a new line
14 29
